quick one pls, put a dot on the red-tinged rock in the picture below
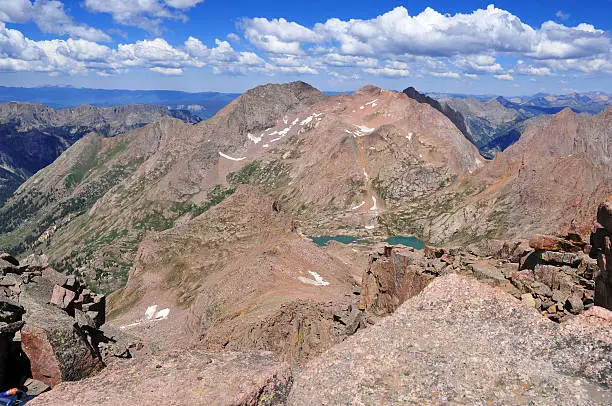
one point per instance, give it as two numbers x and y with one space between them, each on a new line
523 275
447 259
69 298
512 251
181 377
389 281
598 312
430 344
56 277
604 215
433 252
485 271
56 350
551 243
62 297
35 387
574 305
57 297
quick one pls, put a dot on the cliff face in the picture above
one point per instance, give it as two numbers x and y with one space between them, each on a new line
551 180
453 115
32 136
602 250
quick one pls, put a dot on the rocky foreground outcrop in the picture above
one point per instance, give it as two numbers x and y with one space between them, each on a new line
49 326
463 342
179 377
433 326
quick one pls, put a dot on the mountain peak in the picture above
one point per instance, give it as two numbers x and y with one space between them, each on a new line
369 89
566 113
298 88
454 116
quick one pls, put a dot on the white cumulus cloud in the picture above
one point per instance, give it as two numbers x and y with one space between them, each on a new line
478 64
451 75
167 71
146 14
469 41
523 68
388 72
488 42
50 17
277 35
504 76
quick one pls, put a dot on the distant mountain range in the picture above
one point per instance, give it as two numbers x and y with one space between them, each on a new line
494 123
204 104
491 122
587 102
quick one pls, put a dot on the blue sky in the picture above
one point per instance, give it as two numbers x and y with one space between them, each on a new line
510 48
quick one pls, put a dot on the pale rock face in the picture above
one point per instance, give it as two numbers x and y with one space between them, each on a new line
452 343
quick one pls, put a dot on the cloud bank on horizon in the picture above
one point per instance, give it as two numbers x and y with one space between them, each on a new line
491 44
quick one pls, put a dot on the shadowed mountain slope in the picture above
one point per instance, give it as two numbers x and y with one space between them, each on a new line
32 136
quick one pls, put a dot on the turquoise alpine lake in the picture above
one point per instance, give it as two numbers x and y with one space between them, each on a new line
344 239
408 241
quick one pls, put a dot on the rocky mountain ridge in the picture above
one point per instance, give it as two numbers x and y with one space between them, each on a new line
371 164
495 123
453 115
32 136
580 102
555 175
275 137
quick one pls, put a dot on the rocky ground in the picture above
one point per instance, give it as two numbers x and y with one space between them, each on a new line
180 377
428 332
51 327
463 342
239 278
